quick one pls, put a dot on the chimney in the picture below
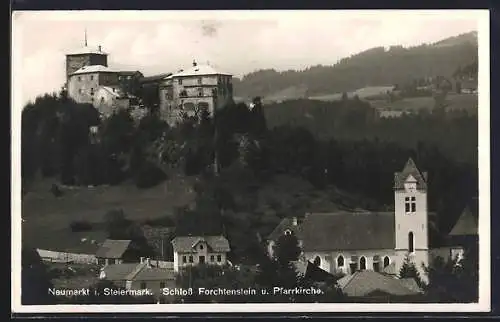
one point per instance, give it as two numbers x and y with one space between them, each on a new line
142 260
148 262
194 63
99 48
294 221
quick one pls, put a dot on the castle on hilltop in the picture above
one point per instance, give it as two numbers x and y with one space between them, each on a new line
89 79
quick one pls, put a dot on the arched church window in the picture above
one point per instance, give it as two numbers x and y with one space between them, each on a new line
362 263
340 261
411 242
288 232
317 261
386 261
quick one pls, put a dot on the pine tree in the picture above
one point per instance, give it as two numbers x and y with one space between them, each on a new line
408 270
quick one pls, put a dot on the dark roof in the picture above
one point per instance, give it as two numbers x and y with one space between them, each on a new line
317 274
410 169
364 283
347 231
467 223
137 272
119 272
154 274
154 78
112 248
286 223
187 243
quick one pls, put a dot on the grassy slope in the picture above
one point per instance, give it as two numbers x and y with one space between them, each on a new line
47 218
455 101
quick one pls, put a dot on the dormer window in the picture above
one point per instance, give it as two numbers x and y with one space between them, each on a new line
410 205
201 247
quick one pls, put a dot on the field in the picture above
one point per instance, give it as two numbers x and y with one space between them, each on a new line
362 93
454 101
47 218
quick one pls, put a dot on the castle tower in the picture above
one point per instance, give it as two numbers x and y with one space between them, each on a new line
85 56
411 217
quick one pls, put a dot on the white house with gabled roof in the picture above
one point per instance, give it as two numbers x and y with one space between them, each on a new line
195 250
193 90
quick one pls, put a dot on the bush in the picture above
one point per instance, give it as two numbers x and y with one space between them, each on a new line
149 175
165 221
77 226
56 191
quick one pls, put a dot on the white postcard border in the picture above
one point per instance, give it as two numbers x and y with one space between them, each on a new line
483 162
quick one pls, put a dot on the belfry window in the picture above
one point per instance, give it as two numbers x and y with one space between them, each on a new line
410 204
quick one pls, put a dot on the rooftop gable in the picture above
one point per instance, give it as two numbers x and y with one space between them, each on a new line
467 223
112 248
199 70
185 244
365 283
410 169
285 223
94 69
118 272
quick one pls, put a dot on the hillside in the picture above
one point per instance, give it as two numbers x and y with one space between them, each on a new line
47 219
374 67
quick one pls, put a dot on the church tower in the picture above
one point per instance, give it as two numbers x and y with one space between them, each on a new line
411 216
85 56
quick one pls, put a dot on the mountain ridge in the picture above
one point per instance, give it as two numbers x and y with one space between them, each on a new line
378 66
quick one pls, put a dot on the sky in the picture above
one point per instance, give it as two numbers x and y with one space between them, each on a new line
235 42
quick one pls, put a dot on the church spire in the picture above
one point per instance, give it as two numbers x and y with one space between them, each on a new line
85 37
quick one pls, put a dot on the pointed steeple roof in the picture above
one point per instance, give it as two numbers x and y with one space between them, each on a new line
466 224
410 169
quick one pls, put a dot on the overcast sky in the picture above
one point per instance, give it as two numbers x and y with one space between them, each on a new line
236 42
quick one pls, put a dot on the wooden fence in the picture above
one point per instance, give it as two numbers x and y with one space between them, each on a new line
64 257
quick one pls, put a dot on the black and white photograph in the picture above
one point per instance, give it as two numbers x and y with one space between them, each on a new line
250 161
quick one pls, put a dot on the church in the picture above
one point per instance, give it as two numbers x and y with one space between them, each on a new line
346 242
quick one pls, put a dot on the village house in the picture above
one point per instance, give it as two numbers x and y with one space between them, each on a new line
114 251
347 242
139 276
190 91
369 284
194 250
462 236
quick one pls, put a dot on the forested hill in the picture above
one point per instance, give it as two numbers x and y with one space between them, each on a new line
374 67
